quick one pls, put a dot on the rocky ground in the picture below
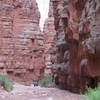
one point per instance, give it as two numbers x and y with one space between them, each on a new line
22 92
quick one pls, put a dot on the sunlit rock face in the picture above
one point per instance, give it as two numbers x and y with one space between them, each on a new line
49 34
76 51
21 41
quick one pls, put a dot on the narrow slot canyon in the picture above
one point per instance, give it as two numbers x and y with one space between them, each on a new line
49 49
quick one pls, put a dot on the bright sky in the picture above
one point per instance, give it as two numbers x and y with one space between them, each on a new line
43 8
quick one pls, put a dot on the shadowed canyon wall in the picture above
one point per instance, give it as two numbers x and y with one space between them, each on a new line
21 41
76 49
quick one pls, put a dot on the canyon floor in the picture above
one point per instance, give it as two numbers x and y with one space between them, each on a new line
22 92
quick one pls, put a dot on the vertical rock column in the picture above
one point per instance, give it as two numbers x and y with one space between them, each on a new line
60 53
49 34
21 39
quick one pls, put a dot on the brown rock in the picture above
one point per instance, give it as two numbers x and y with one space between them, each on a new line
78 33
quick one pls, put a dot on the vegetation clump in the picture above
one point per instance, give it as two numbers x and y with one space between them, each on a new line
6 83
92 94
46 81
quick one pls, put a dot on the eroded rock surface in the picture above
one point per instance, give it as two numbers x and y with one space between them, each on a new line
21 41
49 34
75 56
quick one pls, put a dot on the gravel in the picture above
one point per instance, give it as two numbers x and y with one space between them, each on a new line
22 92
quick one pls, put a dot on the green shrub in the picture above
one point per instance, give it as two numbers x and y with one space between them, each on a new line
6 83
92 94
46 81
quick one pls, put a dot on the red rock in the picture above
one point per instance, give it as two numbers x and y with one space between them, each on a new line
21 41
78 33
49 33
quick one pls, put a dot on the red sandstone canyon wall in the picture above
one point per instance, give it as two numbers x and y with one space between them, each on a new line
76 50
49 34
21 41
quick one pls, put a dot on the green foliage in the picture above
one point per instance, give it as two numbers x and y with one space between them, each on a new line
92 94
6 83
46 81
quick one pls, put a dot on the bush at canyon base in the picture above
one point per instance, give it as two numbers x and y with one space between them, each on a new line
46 81
92 94
6 83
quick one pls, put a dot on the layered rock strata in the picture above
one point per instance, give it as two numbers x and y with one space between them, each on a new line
49 33
21 41
76 51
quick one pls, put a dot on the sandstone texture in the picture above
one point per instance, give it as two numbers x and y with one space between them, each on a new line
49 34
76 49
21 41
